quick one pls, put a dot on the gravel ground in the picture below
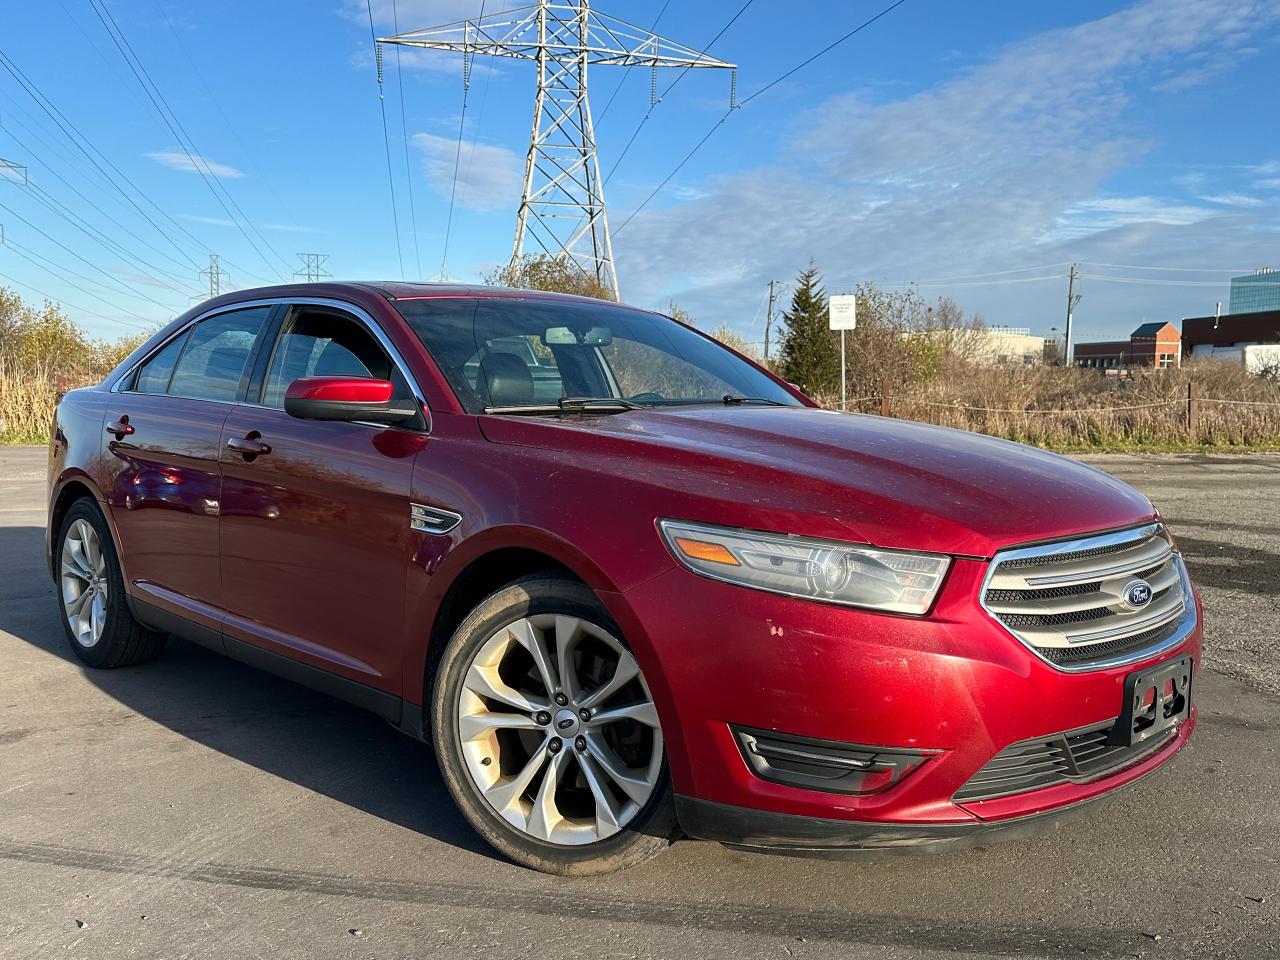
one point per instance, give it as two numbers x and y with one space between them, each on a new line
194 807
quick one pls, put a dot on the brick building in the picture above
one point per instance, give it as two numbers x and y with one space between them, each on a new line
1205 336
1155 344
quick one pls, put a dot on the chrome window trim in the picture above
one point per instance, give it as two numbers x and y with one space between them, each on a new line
362 315
1190 617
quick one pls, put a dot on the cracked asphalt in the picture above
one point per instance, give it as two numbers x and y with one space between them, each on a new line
196 808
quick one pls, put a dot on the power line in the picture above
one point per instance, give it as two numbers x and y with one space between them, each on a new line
1130 266
51 268
59 300
823 52
130 288
170 119
83 144
484 100
457 155
773 83
617 89
404 138
31 184
972 283
658 99
66 213
1151 281
561 199
387 140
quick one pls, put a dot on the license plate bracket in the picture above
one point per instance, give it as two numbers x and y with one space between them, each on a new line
1155 700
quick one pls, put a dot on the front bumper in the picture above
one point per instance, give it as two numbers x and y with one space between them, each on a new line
953 684
752 829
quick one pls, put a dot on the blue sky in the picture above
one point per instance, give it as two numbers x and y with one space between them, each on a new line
992 143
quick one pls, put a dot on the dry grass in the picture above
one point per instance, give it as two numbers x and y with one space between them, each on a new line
27 399
1074 410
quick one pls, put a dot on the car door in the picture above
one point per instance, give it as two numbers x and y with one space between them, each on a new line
163 431
314 530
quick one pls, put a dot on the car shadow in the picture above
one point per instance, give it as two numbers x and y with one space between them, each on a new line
284 729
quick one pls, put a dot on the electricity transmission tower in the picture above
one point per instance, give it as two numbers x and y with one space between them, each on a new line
15 172
562 207
311 267
215 274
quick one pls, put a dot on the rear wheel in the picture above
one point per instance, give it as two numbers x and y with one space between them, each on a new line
547 733
91 599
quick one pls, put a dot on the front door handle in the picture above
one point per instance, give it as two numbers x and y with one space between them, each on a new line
250 447
121 428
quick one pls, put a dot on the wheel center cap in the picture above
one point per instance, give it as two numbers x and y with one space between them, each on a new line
565 723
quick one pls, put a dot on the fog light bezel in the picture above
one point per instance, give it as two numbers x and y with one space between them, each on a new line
826 766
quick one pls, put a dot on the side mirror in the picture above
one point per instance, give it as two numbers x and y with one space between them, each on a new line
344 398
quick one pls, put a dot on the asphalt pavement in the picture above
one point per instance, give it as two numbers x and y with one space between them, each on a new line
194 807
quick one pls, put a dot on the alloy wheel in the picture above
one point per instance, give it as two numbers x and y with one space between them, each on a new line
558 729
84 583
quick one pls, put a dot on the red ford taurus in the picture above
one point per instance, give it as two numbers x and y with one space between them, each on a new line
627 582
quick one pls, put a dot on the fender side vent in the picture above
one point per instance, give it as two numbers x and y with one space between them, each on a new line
432 520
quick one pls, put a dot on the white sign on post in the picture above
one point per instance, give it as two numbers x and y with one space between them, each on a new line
843 312
842 315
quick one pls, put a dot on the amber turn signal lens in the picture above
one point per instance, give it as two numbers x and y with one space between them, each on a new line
701 550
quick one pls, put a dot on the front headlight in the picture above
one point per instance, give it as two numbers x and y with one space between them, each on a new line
815 569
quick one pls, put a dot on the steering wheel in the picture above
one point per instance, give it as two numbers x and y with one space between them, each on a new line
648 396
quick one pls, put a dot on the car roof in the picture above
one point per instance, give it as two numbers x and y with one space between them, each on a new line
408 290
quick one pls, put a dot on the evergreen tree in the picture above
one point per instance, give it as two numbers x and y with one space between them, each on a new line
810 353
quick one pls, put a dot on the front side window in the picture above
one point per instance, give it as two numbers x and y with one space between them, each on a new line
325 344
216 354
503 352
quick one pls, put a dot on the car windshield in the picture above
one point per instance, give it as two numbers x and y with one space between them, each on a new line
507 353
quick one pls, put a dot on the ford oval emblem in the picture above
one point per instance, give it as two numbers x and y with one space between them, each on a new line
1137 594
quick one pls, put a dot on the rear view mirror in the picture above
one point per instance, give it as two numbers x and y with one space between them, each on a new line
345 398
565 337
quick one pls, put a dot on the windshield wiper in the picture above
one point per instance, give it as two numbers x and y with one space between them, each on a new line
569 405
730 399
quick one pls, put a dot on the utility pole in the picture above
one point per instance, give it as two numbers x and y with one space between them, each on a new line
1073 298
768 317
215 274
562 207
311 267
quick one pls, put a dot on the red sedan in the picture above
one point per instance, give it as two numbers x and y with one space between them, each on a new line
626 581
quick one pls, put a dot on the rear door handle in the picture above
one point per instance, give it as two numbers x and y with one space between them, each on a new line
250 447
121 428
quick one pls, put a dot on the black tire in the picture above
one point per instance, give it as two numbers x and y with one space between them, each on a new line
650 830
123 641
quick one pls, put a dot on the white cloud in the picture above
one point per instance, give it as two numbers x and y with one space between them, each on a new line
1233 200
488 177
211 221
1089 217
194 163
1001 166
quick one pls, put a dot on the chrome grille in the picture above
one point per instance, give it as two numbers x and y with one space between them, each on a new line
1066 600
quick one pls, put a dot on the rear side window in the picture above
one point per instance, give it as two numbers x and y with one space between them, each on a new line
155 373
216 354
318 344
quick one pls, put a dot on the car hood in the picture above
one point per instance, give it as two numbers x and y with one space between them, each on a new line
892 483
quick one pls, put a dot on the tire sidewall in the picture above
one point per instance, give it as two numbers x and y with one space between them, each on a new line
116 607
649 832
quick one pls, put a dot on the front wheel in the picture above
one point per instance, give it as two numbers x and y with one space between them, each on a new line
547 734
95 614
